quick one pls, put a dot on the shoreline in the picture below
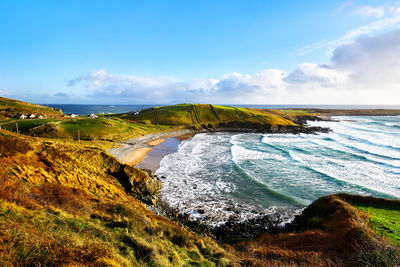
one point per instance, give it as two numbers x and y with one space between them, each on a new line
133 152
136 150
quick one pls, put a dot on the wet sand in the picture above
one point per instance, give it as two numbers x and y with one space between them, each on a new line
158 152
155 142
137 156
147 151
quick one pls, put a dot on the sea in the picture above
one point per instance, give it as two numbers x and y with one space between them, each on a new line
84 109
239 176
219 177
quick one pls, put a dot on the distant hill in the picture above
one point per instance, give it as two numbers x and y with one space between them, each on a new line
192 114
10 107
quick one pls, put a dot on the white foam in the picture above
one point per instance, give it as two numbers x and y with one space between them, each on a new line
201 174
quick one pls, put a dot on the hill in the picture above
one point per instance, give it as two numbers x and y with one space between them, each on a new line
214 115
10 107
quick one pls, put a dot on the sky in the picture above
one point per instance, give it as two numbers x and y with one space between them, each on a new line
200 51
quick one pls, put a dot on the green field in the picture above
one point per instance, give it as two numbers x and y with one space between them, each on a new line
24 125
299 112
103 128
89 129
384 219
383 215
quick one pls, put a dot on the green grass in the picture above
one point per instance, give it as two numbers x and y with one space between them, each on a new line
298 112
24 125
23 107
105 128
385 219
90 129
191 114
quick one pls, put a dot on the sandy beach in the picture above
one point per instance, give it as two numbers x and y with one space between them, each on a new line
156 142
137 156
147 151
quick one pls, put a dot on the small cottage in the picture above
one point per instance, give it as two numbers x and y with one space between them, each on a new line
32 116
93 116
70 115
20 116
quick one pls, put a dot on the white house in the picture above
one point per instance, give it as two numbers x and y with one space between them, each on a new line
20 116
70 115
32 116
40 117
93 116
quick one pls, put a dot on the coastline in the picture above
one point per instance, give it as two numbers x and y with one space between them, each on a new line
134 151
146 152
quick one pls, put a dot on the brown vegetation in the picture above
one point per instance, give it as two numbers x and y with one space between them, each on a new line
330 232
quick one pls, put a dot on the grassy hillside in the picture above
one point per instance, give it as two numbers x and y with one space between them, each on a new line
191 114
383 215
329 232
11 107
63 204
89 129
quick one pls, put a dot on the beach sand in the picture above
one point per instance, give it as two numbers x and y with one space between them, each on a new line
155 142
158 152
147 151
137 156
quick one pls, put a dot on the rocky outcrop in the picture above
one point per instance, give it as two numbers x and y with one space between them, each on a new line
143 185
257 127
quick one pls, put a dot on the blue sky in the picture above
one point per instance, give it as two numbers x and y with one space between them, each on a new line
244 52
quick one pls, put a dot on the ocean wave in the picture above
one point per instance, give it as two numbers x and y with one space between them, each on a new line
338 148
357 181
223 176
274 193
240 153
365 148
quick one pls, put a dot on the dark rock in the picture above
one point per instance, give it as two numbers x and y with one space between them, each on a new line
150 200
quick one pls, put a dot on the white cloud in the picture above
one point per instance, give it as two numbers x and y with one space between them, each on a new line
373 61
368 11
364 71
386 17
323 76
350 35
